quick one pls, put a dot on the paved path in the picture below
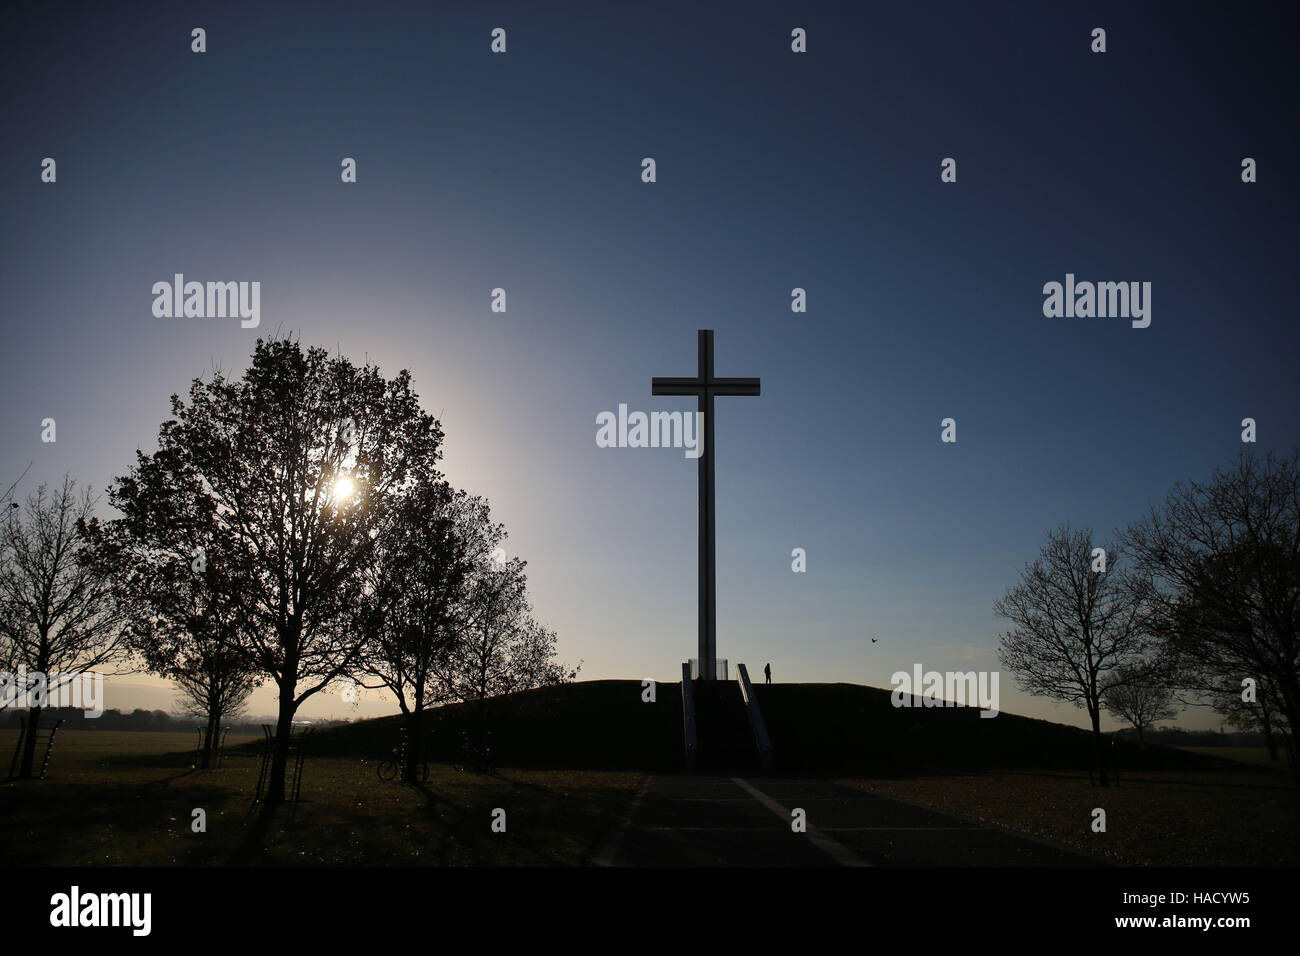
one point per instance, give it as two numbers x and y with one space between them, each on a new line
682 820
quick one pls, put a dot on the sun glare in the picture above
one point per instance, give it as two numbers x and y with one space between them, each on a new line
344 489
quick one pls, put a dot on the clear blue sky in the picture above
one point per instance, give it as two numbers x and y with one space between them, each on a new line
775 170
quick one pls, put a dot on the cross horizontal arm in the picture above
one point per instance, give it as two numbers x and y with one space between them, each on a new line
733 386
693 386
676 386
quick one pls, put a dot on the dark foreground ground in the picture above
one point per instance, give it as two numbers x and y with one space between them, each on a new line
680 820
130 799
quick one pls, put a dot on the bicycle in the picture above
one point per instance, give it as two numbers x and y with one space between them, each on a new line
396 768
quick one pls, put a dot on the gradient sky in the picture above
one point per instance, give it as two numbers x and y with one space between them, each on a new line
775 170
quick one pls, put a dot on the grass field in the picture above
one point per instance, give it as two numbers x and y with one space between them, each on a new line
122 798
1249 817
1255 756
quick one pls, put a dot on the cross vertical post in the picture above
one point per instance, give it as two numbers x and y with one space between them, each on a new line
708 590
705 387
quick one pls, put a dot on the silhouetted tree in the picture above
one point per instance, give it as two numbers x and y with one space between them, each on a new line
1142 699
215 685
8 651
1262 715
1219 568
169 574
300 461
1077 631
501 649
57 615
7 496
418 598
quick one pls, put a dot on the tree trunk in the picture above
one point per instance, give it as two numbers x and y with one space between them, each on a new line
1098 751
205 761
480 735
280 756
29 742
1291 711
1291 750
413 750
1266 724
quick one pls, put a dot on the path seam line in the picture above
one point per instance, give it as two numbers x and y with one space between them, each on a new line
836 851
605 857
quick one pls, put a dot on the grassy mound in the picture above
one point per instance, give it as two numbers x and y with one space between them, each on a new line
815 729
591 724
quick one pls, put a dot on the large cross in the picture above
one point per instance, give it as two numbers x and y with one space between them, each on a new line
705 386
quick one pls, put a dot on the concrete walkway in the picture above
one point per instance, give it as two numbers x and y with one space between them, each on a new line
683 820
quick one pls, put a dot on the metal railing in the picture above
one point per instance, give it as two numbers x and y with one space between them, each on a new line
688 716
761 740
720 669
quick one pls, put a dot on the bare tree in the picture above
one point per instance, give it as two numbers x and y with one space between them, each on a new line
1077 630
1142 699
57 613
1219 568
8 649
1260 711
7 497
215 683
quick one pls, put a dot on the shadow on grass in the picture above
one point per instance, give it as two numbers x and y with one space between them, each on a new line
1192 778
251 849
88 824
